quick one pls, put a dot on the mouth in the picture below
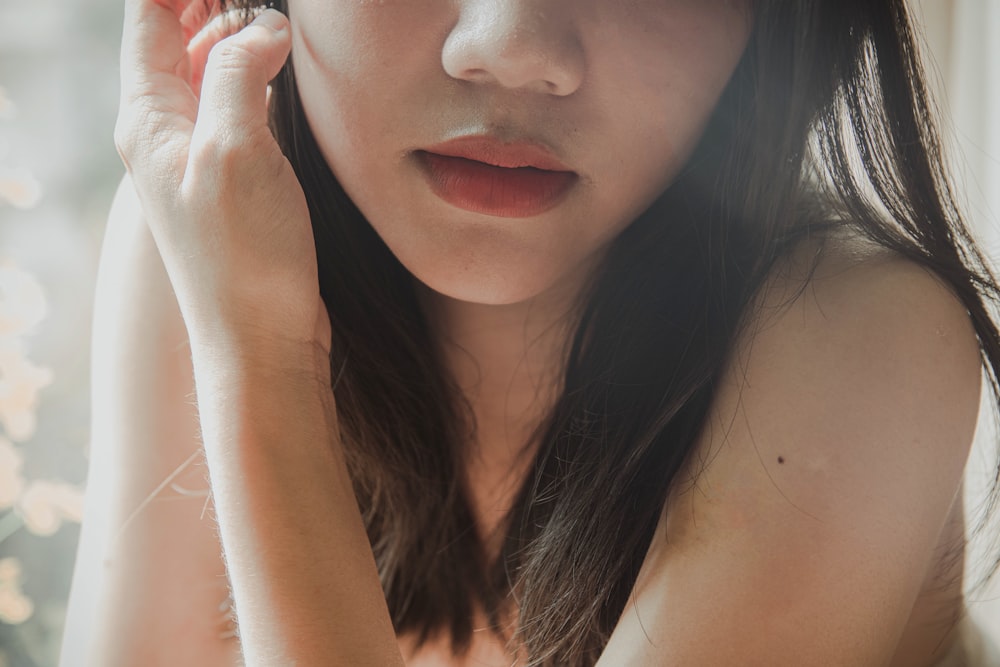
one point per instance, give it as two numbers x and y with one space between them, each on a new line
483 175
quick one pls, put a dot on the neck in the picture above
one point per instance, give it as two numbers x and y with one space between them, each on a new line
508 360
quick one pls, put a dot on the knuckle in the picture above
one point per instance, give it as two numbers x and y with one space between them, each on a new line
232 54
221 157
230 162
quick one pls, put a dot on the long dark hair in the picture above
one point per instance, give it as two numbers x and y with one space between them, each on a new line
825 123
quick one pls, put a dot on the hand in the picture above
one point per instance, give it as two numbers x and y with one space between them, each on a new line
223 204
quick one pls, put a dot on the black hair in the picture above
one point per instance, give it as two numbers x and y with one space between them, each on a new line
825 124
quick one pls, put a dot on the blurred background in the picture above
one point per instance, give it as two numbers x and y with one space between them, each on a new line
58 168
58 171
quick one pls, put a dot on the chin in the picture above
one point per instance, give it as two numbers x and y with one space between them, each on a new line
486 288
483 292
552 285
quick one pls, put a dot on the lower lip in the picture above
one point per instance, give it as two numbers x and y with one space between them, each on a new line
499 191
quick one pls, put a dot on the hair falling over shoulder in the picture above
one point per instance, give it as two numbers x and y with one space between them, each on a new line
825 123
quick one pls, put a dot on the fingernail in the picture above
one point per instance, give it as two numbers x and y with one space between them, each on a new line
273 19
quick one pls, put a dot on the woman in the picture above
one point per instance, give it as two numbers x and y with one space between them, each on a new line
639 333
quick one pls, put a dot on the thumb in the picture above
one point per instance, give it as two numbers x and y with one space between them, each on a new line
233 100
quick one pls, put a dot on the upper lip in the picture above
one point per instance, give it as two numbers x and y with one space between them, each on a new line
491 150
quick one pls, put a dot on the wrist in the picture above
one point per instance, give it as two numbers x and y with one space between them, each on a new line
285 329
269 357
255 394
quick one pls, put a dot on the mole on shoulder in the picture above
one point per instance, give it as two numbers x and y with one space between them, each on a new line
781 459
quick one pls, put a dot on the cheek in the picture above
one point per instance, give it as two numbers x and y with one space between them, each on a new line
372 87
662 72
358 65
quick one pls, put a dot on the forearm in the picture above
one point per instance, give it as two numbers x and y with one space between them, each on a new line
304 579
148 578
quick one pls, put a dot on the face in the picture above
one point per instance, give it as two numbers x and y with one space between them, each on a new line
566 119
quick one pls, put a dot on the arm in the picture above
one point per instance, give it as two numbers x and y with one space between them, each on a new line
230 222
304 578
147 593
866 386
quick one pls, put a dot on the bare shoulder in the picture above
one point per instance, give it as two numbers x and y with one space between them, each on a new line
857 365
852 319
818 490
843 283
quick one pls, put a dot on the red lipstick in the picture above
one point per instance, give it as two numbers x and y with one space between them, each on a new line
484 175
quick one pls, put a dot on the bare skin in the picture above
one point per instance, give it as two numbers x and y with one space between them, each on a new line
140 397
816 498
924 627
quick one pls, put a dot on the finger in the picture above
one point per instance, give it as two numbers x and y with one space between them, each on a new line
152 42
198 15
234 92
157 107
220 27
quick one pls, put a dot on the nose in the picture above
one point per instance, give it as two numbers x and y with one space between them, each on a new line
522 44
